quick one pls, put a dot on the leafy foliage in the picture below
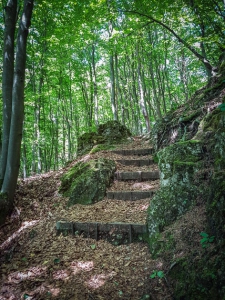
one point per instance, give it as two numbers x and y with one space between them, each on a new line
206 239
159 274
79 53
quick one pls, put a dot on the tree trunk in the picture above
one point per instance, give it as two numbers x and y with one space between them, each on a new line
141 89
95 86
7 79
113 88
16 125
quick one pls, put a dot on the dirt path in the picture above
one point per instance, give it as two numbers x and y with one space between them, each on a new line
36 263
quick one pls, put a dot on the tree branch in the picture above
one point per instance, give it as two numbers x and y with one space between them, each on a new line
206 63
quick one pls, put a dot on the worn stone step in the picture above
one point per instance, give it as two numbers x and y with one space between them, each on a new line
135 162
140 176
115 233
139 152
130 195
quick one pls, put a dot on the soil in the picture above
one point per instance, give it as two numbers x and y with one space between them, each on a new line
36 263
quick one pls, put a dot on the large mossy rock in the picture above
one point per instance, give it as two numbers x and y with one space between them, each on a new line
86 182
113 131
109 133
186 173
193 170
180 165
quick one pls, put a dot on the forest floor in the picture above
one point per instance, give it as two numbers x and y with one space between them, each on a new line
36 263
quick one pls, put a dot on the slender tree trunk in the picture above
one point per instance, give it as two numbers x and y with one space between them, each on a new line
141 89
71 122
156 99
24 156
113 88
7 79
95 86
118 89
16 125
112 68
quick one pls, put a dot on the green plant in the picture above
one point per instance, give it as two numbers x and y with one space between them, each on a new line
206 239
222 107
159 274
145 297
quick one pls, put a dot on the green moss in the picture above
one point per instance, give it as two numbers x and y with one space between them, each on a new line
108 133
86 182
197 277
101 147
70 176
113 131
187 151
191 116
185 163
215 121
191 170
169 203
189 142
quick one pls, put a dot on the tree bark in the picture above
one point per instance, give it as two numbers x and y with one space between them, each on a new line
7 79
95 85
16 125
141 90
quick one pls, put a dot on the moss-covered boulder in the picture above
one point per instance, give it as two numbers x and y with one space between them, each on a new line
193 172
186 169
113 131
87 141
180 165
86 182
109 133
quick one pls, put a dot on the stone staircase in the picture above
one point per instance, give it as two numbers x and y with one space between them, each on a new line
121 233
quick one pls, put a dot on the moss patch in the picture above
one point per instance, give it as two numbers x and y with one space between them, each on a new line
215 121
101 147
108 133
86 183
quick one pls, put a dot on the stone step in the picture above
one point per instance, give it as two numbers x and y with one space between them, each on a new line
115 233
139 152
130 195
140 176
135 162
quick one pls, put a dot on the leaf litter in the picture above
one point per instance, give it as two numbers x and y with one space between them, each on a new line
36 263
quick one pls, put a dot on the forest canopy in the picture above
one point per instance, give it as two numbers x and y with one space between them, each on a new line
92 61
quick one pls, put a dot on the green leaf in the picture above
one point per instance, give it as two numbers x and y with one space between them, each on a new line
56 261
160 274
153 275
93 247
211 239
222 107
204 234
204 240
